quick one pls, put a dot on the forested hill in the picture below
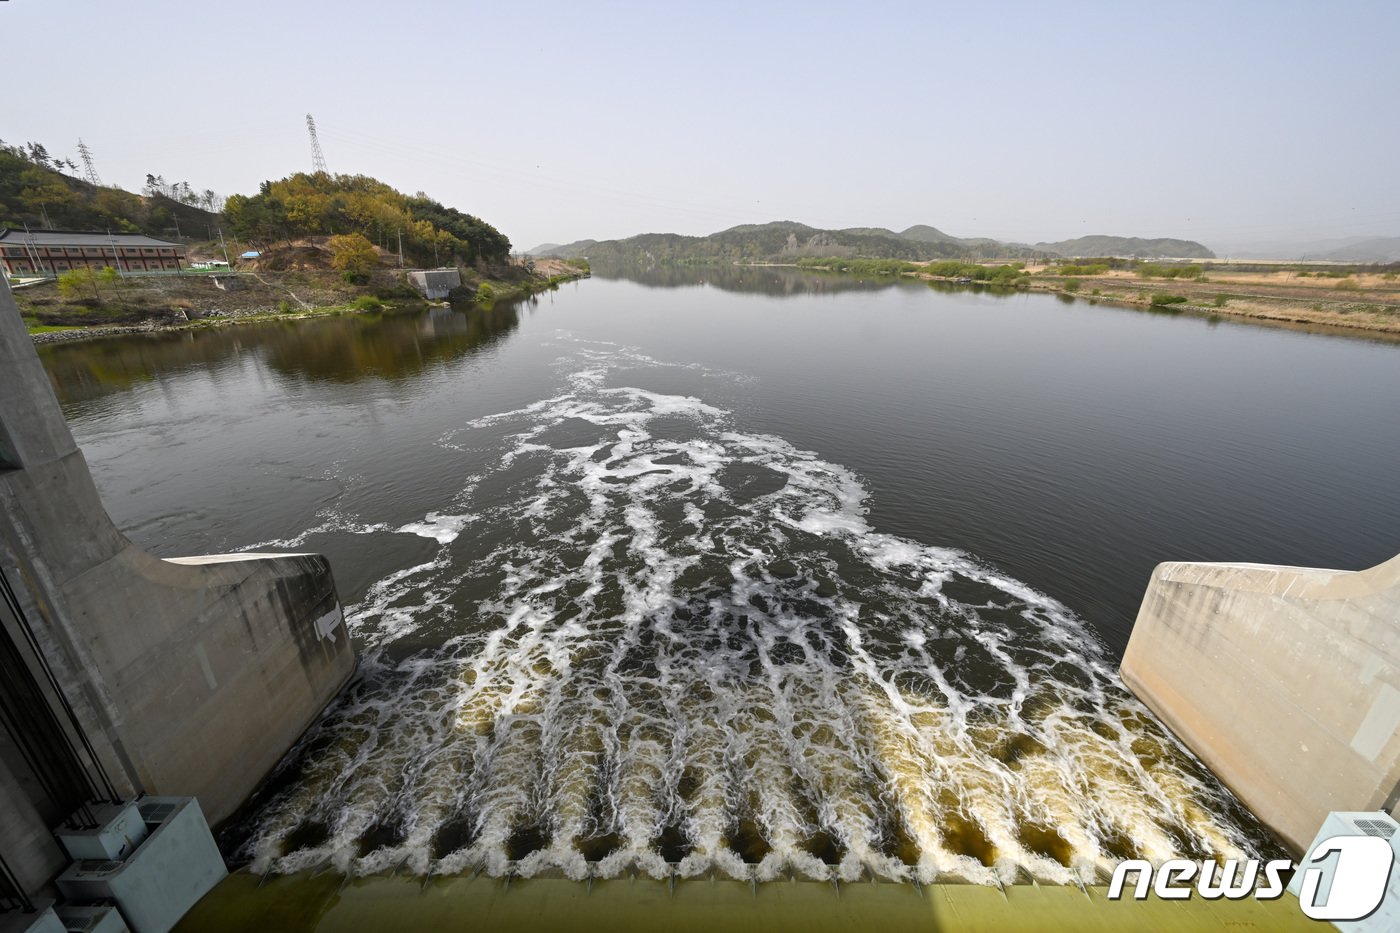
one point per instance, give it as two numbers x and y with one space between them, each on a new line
319 204
1131 247
44 192
786 240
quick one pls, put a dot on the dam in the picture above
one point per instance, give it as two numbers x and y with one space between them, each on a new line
621 645
125 675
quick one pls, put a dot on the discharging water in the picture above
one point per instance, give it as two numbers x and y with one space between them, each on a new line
637 632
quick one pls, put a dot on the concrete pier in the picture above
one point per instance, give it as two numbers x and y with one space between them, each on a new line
1285 681
126 674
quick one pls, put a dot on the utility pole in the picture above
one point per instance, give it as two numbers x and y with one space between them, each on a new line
115 255
225 249
400 249
33 249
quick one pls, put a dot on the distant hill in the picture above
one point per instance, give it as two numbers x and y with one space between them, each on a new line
1375 249
1133 247
34 190
786 240
926 234
565 251
1361 249
782 240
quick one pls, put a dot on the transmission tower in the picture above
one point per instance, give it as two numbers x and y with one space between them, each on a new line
89 173
318 159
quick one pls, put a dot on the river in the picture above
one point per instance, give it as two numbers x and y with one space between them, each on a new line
750 571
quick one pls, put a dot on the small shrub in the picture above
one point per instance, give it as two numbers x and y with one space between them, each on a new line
485 294
284 307
1096 292
1347 285
1219 300
368 303
1070 286
1161 300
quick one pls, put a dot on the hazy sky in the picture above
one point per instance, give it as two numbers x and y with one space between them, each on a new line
1223 122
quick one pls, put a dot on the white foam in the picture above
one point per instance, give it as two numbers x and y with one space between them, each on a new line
444 529
766 681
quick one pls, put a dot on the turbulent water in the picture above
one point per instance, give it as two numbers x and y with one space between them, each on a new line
688 652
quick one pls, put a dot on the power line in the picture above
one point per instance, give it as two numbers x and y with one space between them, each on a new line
318 158
89 173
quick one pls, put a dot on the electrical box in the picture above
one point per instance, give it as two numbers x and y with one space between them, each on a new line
91 919
42 920
120 829
162 878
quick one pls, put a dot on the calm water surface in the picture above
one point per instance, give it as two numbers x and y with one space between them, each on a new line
745 570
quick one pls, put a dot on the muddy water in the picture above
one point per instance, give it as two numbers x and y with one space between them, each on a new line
684 580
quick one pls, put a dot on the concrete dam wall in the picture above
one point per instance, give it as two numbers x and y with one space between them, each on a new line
125 673
1284 680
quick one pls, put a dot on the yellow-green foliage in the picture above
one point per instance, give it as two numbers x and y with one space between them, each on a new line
995 275
322 204
859 266
1152 270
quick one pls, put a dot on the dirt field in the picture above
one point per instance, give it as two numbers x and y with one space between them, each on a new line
1361 301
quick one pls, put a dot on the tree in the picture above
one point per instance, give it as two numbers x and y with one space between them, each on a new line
42 190
354 256
38 154
76 280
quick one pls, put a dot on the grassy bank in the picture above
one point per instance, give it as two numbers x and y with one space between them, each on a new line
1358 298
136 305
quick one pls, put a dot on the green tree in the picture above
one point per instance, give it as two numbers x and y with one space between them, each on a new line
74 281
354 256
44 190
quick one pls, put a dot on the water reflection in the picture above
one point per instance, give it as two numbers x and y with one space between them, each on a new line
779 281
786 281
392 345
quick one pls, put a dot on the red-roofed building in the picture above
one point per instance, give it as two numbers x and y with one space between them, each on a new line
49 252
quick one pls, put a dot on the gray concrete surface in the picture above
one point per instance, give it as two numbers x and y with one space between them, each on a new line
434 284
189 677
1285 681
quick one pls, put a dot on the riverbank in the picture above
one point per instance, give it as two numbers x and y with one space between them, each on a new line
1360 302
176 303
1324 296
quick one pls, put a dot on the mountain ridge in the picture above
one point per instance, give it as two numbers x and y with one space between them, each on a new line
786 239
